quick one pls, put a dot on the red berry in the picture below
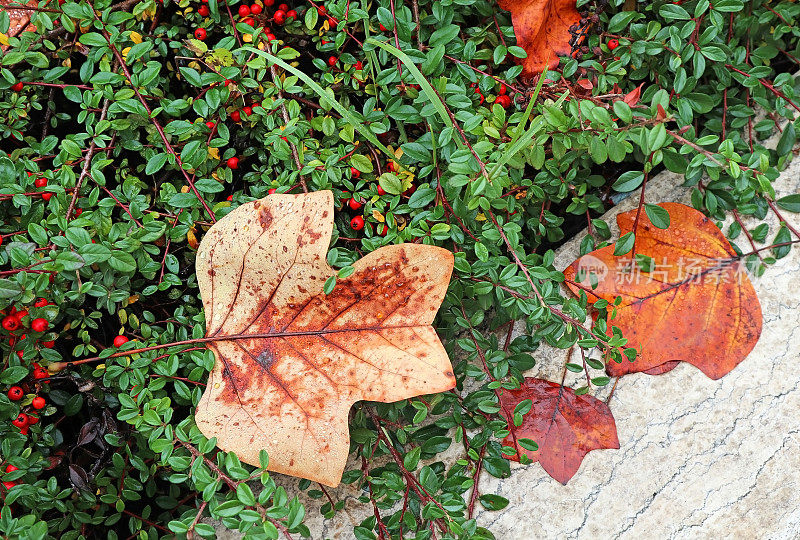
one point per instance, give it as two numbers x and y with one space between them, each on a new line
78 211
11 323
48 344
229 198
357 223
247 110
233 163
41 302
283 7
9 485
504 101
391 167
228 82
383 28
119 341
38 403
354 204
244 11
291 14
613 44
32 420
279 17
210 125
40 182
502 90
381 191
39 325
270 37
21 420
271 191
322 10
40 373
15 393
385 230
11 468
332 61
203 11
46 196
17 87
249 21
236 116
268 3
255 9
359 65
332 22
354 173
200 34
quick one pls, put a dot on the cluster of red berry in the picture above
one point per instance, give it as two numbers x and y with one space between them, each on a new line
503 98
26 419
355 204
247 110
252 15
18 320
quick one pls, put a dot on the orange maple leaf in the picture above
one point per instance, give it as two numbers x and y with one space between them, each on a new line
542 28
292 360
565 426
696 304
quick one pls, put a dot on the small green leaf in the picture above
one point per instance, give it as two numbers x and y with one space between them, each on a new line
390 183
13 374
790 202
493 502
624 244
657 215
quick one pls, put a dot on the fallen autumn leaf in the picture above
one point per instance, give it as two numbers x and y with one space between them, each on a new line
697 305
291 360
565 426
542 28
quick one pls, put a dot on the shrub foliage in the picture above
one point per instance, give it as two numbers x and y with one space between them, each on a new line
119 148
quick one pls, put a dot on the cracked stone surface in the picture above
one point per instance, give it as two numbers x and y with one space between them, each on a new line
697 459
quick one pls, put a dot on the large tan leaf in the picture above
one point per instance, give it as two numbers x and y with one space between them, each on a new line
295 360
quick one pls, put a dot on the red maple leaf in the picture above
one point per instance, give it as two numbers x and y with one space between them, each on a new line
565 426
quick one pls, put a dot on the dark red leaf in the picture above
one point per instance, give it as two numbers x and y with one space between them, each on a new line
565 426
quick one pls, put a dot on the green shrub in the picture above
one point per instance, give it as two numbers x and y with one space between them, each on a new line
113 112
